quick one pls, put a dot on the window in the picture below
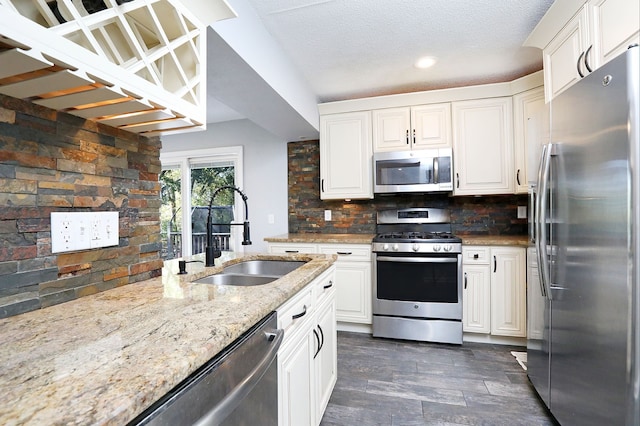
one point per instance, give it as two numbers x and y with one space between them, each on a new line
183 219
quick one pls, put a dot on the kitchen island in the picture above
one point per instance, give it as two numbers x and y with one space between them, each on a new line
104 358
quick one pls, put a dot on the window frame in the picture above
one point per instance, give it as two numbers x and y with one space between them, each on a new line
184 160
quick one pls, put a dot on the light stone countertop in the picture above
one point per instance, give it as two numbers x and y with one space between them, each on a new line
103 359
311 238
495 240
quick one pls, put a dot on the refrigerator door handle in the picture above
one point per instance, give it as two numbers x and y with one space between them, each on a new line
541 210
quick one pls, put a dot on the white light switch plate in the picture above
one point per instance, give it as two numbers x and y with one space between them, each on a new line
522 212
327 215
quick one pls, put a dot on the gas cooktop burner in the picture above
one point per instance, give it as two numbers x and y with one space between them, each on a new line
415 235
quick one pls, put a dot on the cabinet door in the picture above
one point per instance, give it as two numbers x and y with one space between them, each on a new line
353 292
431 126
391 129
476 299
531 131
560 57
614 26
326 360
346 156
483 147
508 291
296 382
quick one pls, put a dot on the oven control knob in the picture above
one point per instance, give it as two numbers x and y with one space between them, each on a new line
416 247
436 247
447 248
396 247
385 247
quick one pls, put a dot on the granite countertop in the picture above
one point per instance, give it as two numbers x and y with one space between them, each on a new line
103 359
495 240
322 238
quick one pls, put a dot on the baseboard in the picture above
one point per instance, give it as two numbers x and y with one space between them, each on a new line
355 328
495 340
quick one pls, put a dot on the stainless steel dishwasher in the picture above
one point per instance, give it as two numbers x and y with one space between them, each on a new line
237 387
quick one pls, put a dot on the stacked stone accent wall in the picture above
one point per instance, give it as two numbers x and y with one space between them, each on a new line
56 162
488 215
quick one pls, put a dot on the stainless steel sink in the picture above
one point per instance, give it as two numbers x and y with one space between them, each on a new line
274 268
252 272
236 279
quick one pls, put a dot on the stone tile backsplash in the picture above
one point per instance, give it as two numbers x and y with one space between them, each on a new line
52 161
487 215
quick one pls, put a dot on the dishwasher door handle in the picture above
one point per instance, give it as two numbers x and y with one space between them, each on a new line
246 385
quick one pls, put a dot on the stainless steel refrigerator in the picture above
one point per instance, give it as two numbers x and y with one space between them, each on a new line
584 360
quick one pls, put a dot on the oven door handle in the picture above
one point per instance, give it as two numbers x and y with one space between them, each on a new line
418 259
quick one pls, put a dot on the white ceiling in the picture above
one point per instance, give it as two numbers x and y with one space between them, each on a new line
346 49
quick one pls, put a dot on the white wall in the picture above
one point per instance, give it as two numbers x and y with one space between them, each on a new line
265 172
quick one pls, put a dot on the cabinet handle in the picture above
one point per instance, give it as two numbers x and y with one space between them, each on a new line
407 136
518 177
321 185
465 280
586 59
495 264
322 336
344 253
414 136
315 333
578 65
291 251
457 181
328 285
301 314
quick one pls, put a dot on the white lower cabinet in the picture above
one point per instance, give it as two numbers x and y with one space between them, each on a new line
353 276
307 359
494 290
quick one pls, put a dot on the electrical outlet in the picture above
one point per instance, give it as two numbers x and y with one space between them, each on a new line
72 231
271 219
522 212
327 215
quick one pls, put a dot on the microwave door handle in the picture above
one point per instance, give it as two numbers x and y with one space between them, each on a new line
436 170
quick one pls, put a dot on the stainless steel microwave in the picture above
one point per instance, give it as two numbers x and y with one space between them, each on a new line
427 170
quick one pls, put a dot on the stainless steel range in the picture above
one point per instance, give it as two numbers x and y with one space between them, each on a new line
417 276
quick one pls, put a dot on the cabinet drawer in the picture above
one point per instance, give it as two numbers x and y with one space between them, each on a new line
350 252
325 286
292 248
475 255
296 310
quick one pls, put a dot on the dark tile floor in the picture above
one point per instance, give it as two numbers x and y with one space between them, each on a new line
394 382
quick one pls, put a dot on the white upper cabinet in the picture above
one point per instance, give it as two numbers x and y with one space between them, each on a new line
578 37
407 128
483 147
346 156
531 131
564 54
614 25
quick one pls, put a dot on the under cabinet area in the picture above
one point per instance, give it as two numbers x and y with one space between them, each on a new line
307 359
408 128
352 276
494 290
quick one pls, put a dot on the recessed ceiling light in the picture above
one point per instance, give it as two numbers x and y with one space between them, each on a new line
425 62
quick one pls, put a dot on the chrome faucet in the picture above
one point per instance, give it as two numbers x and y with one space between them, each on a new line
212 250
